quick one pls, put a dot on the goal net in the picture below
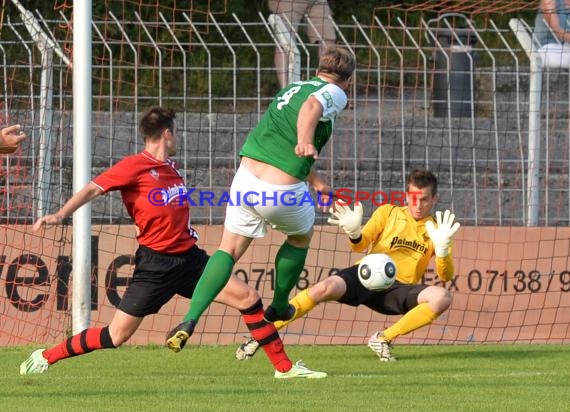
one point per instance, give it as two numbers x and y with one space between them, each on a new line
443 85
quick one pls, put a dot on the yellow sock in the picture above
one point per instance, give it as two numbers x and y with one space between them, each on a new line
303 304
419 316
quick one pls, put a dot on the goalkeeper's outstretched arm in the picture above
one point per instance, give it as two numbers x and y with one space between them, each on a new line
441 237
347 219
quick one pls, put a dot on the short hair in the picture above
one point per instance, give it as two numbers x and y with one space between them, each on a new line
421 178
155 120
338 62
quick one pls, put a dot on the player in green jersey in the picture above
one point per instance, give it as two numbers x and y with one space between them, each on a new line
275 171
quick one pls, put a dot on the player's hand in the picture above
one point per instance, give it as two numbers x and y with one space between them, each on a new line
442 234
10 138
306 150
348 220
47 220
325 198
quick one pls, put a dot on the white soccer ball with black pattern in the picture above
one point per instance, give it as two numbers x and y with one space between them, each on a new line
377 271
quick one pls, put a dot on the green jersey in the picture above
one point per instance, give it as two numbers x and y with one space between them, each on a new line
274 138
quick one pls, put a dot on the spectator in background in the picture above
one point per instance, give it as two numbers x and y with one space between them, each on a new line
10 138
552 33
293 11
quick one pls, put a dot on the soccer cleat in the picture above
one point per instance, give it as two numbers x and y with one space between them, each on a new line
300 370
381 347
271 314
177 337
247 349
36 363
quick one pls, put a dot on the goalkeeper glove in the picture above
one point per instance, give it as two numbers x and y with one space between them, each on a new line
442 234
348 220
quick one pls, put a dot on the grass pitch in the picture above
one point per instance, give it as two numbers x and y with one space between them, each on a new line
208 378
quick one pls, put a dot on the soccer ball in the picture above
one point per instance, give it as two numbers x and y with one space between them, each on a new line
377 271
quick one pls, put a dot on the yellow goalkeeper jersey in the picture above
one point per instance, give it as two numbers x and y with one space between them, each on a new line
392 230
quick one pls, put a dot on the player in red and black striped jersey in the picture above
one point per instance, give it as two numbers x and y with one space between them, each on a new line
167 262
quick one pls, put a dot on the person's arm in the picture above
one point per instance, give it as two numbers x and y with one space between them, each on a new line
317 182
88 193
441 236
324 191
360 237
10 138
548 9
444 267
309 116
371 231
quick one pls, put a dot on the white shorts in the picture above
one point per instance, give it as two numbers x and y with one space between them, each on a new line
255 203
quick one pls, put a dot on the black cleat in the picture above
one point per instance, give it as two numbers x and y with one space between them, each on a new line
272 316
177 337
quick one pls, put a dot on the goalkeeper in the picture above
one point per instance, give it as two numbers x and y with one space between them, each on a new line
390 230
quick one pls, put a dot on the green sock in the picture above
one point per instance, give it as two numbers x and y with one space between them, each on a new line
289 263
215 276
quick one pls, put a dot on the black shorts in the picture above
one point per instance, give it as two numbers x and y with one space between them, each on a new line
159 276
396 300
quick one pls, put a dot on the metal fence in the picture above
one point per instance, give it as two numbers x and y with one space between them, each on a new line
444 93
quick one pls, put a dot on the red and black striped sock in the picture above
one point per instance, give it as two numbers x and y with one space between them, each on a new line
267 336
84 342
